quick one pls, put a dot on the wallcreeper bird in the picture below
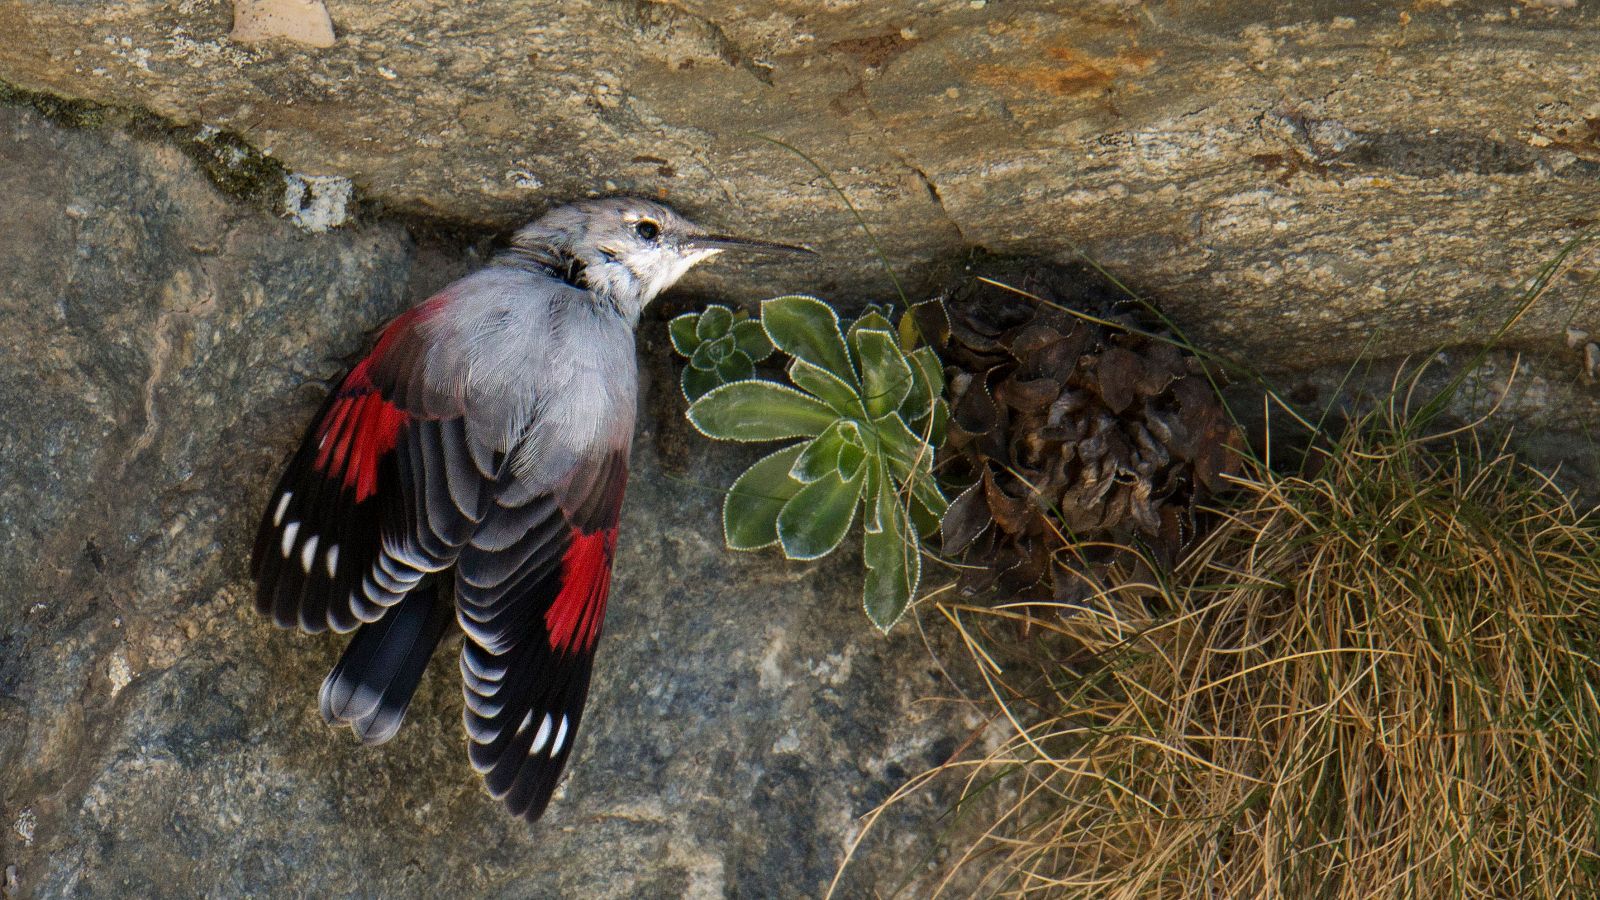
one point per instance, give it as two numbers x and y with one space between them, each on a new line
488 430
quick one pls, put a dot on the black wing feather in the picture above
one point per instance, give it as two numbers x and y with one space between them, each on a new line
526 687
325 558
350 544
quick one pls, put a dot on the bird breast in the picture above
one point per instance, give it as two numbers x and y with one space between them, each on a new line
550 378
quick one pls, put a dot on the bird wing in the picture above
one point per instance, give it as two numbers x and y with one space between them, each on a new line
399 477
531 587
386 487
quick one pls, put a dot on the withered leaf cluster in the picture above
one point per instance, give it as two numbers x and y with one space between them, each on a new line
1076 440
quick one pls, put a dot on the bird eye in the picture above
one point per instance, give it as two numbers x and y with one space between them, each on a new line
647 229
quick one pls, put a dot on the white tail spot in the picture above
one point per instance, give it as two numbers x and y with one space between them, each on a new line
308 553
289 531
283 507
561 737
542 736
333 560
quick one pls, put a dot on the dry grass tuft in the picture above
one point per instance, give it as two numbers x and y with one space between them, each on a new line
1374 679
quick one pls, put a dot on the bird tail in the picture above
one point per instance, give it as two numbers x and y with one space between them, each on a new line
372 685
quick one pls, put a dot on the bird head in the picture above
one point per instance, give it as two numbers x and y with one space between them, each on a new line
627 250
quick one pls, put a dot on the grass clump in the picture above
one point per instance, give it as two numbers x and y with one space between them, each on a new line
1375 677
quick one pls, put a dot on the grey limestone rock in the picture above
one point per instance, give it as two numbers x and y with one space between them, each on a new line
1292 178
161 348
1297 183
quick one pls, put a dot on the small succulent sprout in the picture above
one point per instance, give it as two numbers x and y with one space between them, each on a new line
868 415
722 346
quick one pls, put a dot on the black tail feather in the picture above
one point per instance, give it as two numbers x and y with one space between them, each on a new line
372 685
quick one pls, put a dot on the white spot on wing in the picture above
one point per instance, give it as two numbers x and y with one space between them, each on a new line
542 736
561 737
283 507
332 556
308 553
289 531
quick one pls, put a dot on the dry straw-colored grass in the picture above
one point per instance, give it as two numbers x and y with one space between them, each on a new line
1375 679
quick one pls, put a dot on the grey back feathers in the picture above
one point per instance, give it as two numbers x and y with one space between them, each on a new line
481 448
543 373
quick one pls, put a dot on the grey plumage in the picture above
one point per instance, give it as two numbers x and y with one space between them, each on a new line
487 432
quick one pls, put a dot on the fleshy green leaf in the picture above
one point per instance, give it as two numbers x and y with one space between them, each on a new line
923 519
851 458
925 490
750 512
681 331
901 442
752 339
841 397
705 357
697 382
759 411
821 455
927 383
817 518
876 478
941 418
885 374
910 462
714 323
870 320
808 329
918 400
894 565
932 369
735 367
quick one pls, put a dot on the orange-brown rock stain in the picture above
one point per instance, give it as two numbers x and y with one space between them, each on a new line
1068 71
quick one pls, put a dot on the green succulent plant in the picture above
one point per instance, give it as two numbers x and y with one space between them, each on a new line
869 414
721 346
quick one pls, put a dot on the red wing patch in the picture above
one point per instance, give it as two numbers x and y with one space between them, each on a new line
573 618
359 429
362 426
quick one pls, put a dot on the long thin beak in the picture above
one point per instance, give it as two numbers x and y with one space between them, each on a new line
728 242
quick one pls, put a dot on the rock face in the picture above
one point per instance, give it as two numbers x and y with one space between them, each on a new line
161 352
1297 183
1293 178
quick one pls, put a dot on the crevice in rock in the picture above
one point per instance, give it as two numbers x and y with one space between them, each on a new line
858 91
933 193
